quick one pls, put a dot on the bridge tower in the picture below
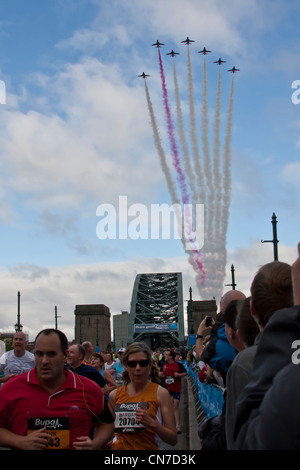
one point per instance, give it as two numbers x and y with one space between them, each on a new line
156 313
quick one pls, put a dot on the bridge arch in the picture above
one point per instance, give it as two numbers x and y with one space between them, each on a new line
156 312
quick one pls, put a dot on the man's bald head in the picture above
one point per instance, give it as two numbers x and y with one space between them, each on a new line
229 296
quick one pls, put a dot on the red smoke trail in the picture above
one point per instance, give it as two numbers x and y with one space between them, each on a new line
176 161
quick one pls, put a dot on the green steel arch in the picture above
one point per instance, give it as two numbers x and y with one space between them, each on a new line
156 311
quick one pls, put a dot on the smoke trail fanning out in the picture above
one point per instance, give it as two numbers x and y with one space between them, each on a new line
199 179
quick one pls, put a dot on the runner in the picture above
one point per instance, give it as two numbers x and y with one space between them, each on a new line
143 409
173 371
18 360
50 407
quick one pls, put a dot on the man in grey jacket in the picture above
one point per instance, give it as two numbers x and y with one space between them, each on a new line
267 412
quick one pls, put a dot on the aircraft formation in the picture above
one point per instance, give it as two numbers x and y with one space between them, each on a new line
188 41
194 175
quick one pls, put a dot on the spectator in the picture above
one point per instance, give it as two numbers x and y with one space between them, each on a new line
232 333
246 330
218 353
271 290
18 360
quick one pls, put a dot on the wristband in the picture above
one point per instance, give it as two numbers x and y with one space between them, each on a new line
199 336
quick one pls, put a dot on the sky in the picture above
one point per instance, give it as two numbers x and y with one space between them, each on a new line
76 137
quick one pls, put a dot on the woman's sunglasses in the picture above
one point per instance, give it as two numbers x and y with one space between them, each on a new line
143 363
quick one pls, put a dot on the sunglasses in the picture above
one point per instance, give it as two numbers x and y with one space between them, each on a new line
142 363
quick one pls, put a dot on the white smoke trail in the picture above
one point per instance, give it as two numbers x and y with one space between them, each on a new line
207 163
193 134
182 138
227 166
212 188
216 162
161 153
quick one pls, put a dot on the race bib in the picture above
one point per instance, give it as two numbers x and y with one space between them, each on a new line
126 418
169 380
57 428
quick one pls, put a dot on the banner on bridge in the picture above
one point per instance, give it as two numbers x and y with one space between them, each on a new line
155 327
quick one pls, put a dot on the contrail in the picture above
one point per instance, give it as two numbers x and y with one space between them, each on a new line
227 165
216 159
176 159
164 165
181 177
193 133
205 130
161 153
209 185
183 142
207 163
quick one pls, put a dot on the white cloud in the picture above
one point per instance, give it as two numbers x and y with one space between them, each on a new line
80 151
84 40
291 173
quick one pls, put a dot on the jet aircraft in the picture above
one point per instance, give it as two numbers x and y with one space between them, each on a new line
204 51
188 40
158 44
220 62
172 53
233 70
143 75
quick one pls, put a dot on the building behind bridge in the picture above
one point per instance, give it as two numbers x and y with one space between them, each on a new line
92 323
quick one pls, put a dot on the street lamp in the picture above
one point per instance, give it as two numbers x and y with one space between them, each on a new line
274 241
18 326
233 284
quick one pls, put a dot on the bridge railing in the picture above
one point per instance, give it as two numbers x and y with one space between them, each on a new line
210 397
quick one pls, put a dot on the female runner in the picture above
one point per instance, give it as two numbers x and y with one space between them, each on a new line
144 413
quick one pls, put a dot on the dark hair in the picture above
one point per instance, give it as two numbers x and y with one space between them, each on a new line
230 314
111 355
62 337
245 323
172 353
271 290
98 356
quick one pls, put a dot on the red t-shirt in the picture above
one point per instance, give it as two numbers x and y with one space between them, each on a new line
173 384
68 413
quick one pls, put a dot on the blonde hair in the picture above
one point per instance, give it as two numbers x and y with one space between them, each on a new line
137 348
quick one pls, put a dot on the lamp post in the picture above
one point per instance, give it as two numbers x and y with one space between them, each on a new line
56 316
233 284
18 326
97 336
274 241
190 314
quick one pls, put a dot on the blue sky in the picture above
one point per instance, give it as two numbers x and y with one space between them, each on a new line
75 133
